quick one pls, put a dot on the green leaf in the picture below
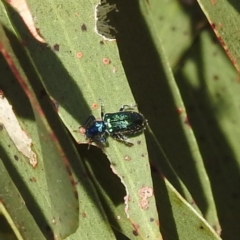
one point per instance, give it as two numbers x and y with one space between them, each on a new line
12 206
224 19
162 60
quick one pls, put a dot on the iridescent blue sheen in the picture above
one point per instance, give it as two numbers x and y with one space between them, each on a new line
96 131
118 125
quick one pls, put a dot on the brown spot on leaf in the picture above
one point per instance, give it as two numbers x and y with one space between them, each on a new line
106 61
145 193
213 2
95 106
84 215
187 122
179 110
56 47
84 27
127 158
79 55
33 179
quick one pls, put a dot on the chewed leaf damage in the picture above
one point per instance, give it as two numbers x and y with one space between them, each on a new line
103 26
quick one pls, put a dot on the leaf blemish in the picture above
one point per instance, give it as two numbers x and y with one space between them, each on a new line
144 193
102 25
56 47
106 61
127 158
94 106
84 27
79 55
19 137
136 228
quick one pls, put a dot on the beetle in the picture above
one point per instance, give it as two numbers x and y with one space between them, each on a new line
119 125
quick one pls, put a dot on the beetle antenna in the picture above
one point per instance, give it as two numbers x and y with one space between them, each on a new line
102 108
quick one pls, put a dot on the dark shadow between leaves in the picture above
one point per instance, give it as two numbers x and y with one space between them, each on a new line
31 204
5 229
235 4
104 180
219 158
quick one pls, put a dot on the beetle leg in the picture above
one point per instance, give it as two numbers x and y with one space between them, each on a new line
89 143
124 107
122 138
100 138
